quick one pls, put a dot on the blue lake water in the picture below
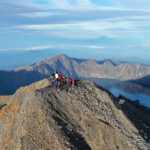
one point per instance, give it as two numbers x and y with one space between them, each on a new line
143 98
129 90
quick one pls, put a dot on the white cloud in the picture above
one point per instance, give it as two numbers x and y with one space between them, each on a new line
79 19
39 47
145 44
85 4
28 48
87 26
82 46
81 23
87 29
60 4
133 4
66 4
69 4
37 14
96 47
70 46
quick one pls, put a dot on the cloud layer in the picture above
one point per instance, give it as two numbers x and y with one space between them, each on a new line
37 21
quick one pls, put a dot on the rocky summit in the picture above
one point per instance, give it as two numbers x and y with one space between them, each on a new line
82 117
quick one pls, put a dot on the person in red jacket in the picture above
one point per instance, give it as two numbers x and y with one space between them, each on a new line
64 80
60 81
70 81
60 75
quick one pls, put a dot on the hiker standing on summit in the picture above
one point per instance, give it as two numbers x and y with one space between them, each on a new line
67 79
56 75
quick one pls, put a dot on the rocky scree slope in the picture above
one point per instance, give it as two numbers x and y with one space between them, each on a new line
84 117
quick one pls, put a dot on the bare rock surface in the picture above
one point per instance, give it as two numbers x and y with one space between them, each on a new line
81 117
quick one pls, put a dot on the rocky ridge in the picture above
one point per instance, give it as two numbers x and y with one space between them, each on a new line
10 81
44 117
89 68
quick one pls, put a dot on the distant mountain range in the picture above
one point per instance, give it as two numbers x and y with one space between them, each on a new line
10 81
89 68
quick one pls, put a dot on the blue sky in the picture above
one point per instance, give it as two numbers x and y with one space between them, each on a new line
112 28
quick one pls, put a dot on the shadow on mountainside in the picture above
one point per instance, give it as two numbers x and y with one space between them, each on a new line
10 81
1 106
145 81
74 138
137 114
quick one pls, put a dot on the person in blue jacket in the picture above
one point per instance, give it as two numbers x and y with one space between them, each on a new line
67 79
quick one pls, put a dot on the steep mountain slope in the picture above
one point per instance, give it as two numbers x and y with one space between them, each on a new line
10 81
82 117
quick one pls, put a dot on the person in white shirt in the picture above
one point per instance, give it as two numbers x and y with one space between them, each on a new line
56 75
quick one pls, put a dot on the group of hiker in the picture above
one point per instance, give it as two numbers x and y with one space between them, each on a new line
58 78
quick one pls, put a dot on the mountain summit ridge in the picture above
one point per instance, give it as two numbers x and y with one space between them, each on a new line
107 69
86 116
12 80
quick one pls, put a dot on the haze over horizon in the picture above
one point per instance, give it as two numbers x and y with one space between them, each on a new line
91 28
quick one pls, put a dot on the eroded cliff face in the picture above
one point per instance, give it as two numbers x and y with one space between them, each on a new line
83 117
